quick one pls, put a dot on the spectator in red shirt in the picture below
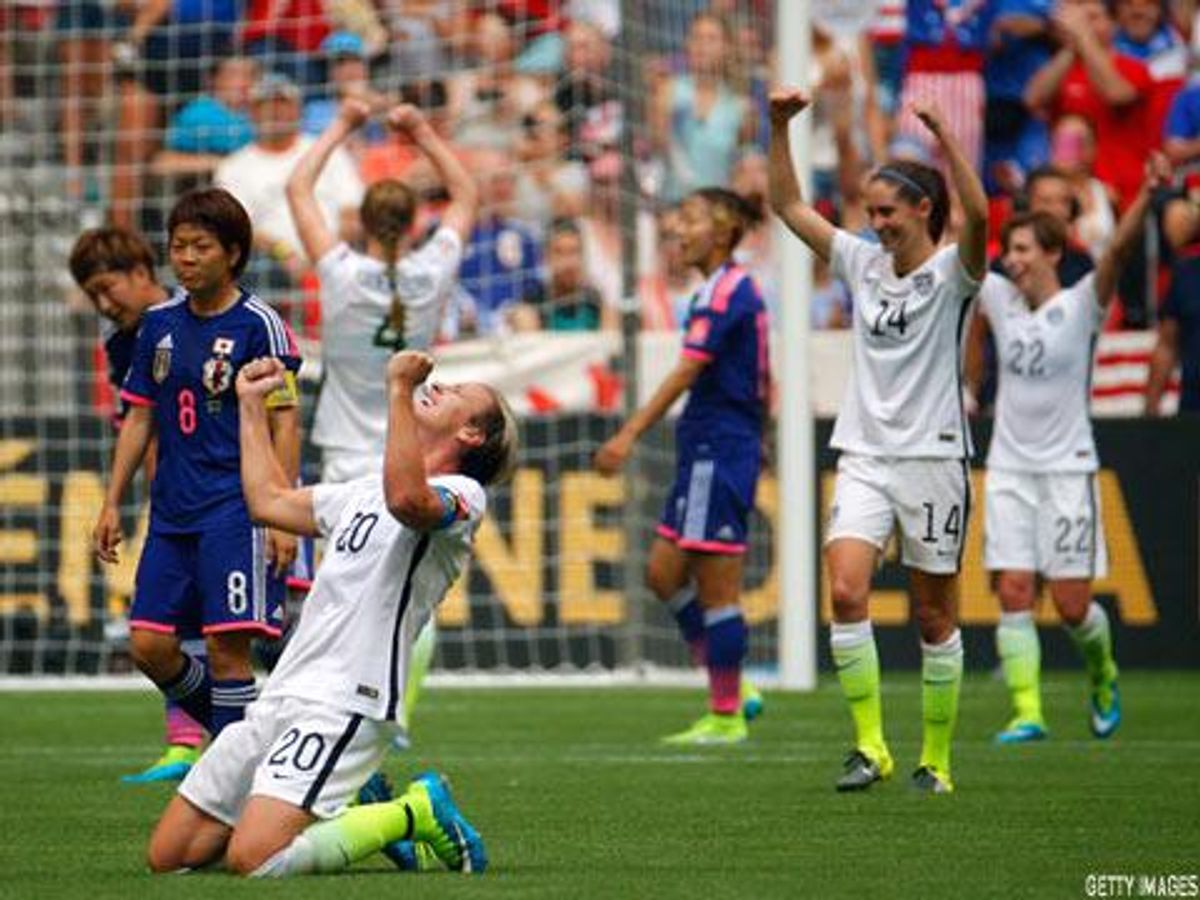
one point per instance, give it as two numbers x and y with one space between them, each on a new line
286 35
1087 77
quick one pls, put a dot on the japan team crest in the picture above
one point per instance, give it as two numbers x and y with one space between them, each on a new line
162 359
217 375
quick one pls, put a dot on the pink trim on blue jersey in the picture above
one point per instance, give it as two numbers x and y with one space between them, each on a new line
147 625
223 627
730 548
726 329
135 399
711 547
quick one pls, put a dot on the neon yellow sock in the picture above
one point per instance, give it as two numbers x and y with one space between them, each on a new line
356 834
1093 637
941 678
1021 659
857 662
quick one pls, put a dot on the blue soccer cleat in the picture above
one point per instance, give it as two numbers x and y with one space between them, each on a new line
412 856
173 765
1018 732
1106 717
376 789
752 700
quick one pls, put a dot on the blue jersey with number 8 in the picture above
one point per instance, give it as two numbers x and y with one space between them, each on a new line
184 366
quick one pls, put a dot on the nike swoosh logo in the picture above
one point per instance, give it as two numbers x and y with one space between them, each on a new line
460 841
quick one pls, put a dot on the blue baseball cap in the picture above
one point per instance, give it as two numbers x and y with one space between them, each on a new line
344 43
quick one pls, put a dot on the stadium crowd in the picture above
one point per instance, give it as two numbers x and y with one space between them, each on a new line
1057 103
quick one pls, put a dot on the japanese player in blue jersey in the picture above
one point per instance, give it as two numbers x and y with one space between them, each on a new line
114 267
204 564
696 561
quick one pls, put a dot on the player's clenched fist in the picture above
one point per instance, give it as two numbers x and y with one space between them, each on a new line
260 377
405 118
410 367
787 102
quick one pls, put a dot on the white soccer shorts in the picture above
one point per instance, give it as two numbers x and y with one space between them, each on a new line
310 755
1046 523
929 499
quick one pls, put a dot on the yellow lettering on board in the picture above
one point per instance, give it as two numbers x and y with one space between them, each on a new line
762 603
20 545
516 573
581 544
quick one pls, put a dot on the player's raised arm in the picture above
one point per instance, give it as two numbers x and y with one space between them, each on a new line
972 242
464 196
406 488
615 451
784 190
272 499
315 234
1129 229
137 433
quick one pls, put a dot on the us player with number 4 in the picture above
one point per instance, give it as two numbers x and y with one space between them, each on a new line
1042 507
205 565
902 430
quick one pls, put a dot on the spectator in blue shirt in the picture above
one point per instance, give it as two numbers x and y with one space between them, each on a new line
502 262
1015 141
348 77
213 125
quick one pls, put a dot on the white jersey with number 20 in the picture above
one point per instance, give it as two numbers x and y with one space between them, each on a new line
377 585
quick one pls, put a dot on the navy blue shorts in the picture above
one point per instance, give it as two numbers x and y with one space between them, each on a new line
708 509
210 581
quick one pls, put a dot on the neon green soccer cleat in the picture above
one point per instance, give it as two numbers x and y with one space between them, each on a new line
438 823
173 765
713 729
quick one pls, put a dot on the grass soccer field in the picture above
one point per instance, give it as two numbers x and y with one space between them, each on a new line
577 799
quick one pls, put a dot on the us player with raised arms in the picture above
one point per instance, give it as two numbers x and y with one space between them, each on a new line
205 564
901 430
696 561
1042 507
114 267
390 297
271 794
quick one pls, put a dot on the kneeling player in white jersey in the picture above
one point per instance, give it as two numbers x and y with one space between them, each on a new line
271 793
390 297
1042 508
902 430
